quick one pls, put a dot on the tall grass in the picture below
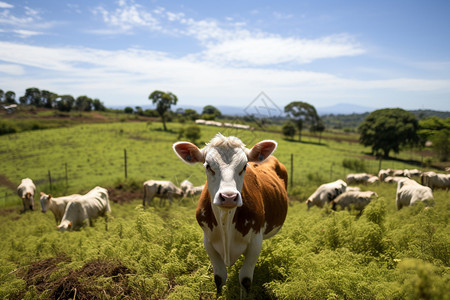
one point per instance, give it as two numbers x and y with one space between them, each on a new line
319 254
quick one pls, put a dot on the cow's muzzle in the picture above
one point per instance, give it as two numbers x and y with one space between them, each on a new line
228 199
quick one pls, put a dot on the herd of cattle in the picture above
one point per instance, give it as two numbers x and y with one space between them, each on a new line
235 212
409 191
73 211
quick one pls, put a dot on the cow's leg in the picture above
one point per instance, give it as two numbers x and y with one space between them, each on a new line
248 266
219 268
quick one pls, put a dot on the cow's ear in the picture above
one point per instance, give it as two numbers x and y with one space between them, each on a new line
42 194
70 225
188 152
261 151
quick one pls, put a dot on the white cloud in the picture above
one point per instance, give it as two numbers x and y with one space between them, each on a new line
276 50
26 33
11 69
231 42
5 5
128 16
132 74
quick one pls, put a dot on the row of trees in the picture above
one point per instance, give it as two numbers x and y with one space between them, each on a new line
390 129
47 99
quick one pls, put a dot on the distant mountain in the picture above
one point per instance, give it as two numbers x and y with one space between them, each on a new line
344 109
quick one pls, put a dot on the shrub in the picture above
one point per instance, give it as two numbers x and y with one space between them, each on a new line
356 165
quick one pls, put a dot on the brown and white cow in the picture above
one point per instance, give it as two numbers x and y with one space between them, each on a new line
244 201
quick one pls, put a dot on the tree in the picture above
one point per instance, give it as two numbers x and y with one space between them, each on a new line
128 110
10 97
65 103
319 127
289 130
388 129
83 103
192 133
211 111
191 114
48 99
98 105
303 113
163 103
437 131
32 97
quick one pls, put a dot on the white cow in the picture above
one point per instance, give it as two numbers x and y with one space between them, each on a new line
185 185
326 192
57 205
194 191
85 209
393 179
358 178
161 189
436 180
409 192
382 174
26 190
355 200
189 189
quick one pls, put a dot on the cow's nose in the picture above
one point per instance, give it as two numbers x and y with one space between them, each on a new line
228 200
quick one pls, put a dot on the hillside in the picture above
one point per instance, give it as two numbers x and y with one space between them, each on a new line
352 121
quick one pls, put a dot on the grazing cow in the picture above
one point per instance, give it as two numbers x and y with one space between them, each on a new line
436 180
56 205
409 192
26 190
325 193
161 189
353 189
189 189
194 191
244 201
185 185
358 178
355 200
373 179
393 179
86 208
382 174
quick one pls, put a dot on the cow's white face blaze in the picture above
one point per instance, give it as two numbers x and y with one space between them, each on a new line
225 160
225 169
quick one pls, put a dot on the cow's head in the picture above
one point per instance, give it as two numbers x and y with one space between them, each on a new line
45 199
225 160
64 226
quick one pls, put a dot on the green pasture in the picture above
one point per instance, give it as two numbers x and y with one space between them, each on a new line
319 254
82 156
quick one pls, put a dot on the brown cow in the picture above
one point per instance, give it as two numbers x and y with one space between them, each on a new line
242 203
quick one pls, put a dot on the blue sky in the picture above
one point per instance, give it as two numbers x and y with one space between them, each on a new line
371 53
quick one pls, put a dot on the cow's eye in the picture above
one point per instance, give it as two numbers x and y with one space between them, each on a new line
243 170
208 168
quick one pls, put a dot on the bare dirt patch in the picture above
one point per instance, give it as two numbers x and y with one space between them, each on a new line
122 194
78 284
4 181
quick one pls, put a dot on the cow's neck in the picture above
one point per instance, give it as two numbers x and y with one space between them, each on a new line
224 219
